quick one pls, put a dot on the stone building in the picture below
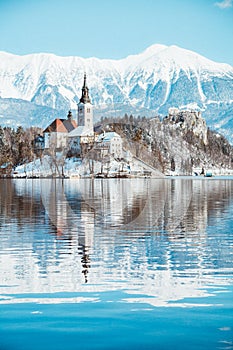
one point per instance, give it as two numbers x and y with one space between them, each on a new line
109 143
83 134
55 135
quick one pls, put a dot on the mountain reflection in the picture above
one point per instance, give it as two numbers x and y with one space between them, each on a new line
155 235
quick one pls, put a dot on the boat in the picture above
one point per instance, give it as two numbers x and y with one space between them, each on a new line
208 174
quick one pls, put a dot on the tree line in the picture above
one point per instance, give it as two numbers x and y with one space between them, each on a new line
16 147
156 141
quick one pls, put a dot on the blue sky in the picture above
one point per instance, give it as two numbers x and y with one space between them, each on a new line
116 28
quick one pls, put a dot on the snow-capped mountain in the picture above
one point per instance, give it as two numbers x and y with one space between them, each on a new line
147 84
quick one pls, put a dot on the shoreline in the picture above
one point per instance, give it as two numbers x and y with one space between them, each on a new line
75 177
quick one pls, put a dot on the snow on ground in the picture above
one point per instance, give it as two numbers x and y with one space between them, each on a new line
73 167
214 171
46 167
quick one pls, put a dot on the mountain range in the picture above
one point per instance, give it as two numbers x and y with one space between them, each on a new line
36 88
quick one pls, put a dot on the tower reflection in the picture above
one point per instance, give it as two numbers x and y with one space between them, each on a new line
154 236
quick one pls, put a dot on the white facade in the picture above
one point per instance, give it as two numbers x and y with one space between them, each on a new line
85 115
55 140
79 136
85 109
111 143
84 133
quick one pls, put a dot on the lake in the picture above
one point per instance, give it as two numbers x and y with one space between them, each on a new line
116 264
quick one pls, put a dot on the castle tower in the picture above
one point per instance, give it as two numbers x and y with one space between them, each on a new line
85 108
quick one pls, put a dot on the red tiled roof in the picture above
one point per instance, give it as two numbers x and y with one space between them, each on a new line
61 125
70 125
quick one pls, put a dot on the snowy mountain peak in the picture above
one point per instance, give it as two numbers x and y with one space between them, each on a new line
175 56
153 49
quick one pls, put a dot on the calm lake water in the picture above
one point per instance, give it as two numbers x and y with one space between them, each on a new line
116 264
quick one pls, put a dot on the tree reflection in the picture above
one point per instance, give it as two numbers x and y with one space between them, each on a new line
150 233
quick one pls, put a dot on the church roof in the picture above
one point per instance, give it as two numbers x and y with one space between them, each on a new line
107 136
61 125
69 125
81 131
85 92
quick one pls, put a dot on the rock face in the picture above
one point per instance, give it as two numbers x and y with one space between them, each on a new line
145 84
179 144
186 146
187 121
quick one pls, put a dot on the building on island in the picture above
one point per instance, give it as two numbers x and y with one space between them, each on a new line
55 135
38 143
109 143
83 136
85 108
79 137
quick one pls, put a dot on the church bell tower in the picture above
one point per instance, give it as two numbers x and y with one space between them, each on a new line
85 108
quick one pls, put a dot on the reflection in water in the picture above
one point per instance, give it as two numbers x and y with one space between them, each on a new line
161 240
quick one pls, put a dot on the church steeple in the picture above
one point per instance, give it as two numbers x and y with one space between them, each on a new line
70 116
85 108
85 91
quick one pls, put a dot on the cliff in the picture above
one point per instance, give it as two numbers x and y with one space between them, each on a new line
179 144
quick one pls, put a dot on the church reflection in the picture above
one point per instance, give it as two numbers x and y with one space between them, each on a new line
77 224
78 207
73 221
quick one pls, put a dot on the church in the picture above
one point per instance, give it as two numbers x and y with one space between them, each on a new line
83 135
79 137
55 135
